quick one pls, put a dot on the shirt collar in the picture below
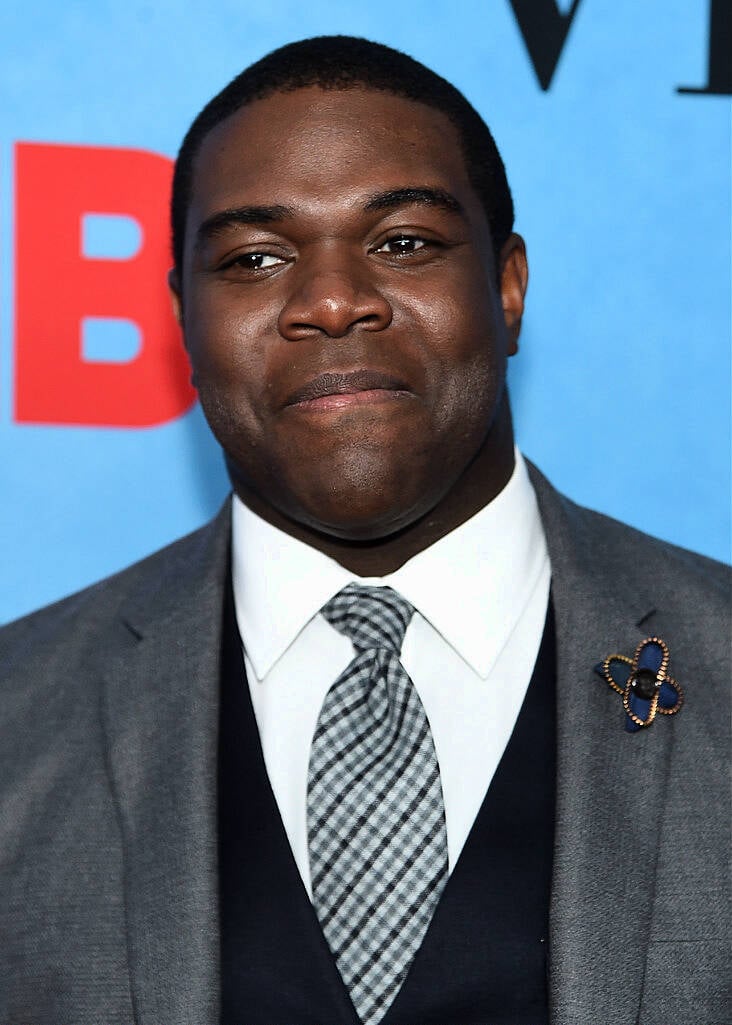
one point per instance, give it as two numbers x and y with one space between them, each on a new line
472 585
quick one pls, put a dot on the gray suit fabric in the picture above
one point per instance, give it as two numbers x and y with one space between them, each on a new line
108 730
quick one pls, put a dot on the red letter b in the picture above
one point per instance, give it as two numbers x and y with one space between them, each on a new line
57 288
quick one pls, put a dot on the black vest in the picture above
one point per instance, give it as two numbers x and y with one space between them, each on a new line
483 959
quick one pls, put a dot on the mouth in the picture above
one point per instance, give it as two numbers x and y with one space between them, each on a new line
342 391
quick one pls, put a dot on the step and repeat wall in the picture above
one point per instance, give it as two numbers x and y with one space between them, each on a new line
613 117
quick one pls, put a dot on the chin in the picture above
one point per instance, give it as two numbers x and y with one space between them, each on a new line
352 519
349 500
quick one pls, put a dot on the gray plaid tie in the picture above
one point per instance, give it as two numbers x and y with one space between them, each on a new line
376 820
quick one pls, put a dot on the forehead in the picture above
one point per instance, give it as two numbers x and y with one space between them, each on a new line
323 147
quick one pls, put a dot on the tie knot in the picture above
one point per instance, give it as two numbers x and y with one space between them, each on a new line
372 617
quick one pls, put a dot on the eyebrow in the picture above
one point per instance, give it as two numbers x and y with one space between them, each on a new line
222 220
415 194
219 222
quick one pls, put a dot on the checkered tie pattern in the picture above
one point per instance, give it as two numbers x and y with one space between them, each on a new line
376 819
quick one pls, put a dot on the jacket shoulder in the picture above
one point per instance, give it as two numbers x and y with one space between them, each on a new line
682 582
94 609
603 547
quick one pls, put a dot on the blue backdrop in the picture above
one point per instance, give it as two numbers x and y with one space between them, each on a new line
621 390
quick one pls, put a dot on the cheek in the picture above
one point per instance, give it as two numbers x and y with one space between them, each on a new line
470 402
468 357
226 354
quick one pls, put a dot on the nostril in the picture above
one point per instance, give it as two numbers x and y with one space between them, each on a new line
334 316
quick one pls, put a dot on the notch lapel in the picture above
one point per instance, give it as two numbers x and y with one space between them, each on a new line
610 783
160 716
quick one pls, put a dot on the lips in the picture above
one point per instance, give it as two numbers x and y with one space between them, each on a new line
331 385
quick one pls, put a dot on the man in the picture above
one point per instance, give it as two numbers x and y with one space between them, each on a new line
339 755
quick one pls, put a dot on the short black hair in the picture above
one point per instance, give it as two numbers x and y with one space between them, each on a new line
345 62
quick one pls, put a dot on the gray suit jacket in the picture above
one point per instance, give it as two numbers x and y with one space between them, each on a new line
108 725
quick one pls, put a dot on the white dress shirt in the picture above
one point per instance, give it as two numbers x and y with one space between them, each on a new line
480 596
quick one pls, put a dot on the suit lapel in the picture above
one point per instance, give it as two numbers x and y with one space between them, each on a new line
160 717
162 742
610 784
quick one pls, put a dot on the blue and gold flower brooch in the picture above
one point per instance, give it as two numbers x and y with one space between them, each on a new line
644 683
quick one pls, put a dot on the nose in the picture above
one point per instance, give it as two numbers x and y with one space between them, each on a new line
330 297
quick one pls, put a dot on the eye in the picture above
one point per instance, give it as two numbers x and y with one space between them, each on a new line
254 261
402 245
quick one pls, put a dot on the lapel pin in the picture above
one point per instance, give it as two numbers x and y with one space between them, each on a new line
643 682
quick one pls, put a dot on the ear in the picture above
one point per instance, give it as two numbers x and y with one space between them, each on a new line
175 295
513 276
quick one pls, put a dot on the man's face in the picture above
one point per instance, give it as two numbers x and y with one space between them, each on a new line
340 307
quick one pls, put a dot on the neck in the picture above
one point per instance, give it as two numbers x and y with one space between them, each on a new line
481 481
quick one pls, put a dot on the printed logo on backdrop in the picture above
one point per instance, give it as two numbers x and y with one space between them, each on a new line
95 340
545 28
